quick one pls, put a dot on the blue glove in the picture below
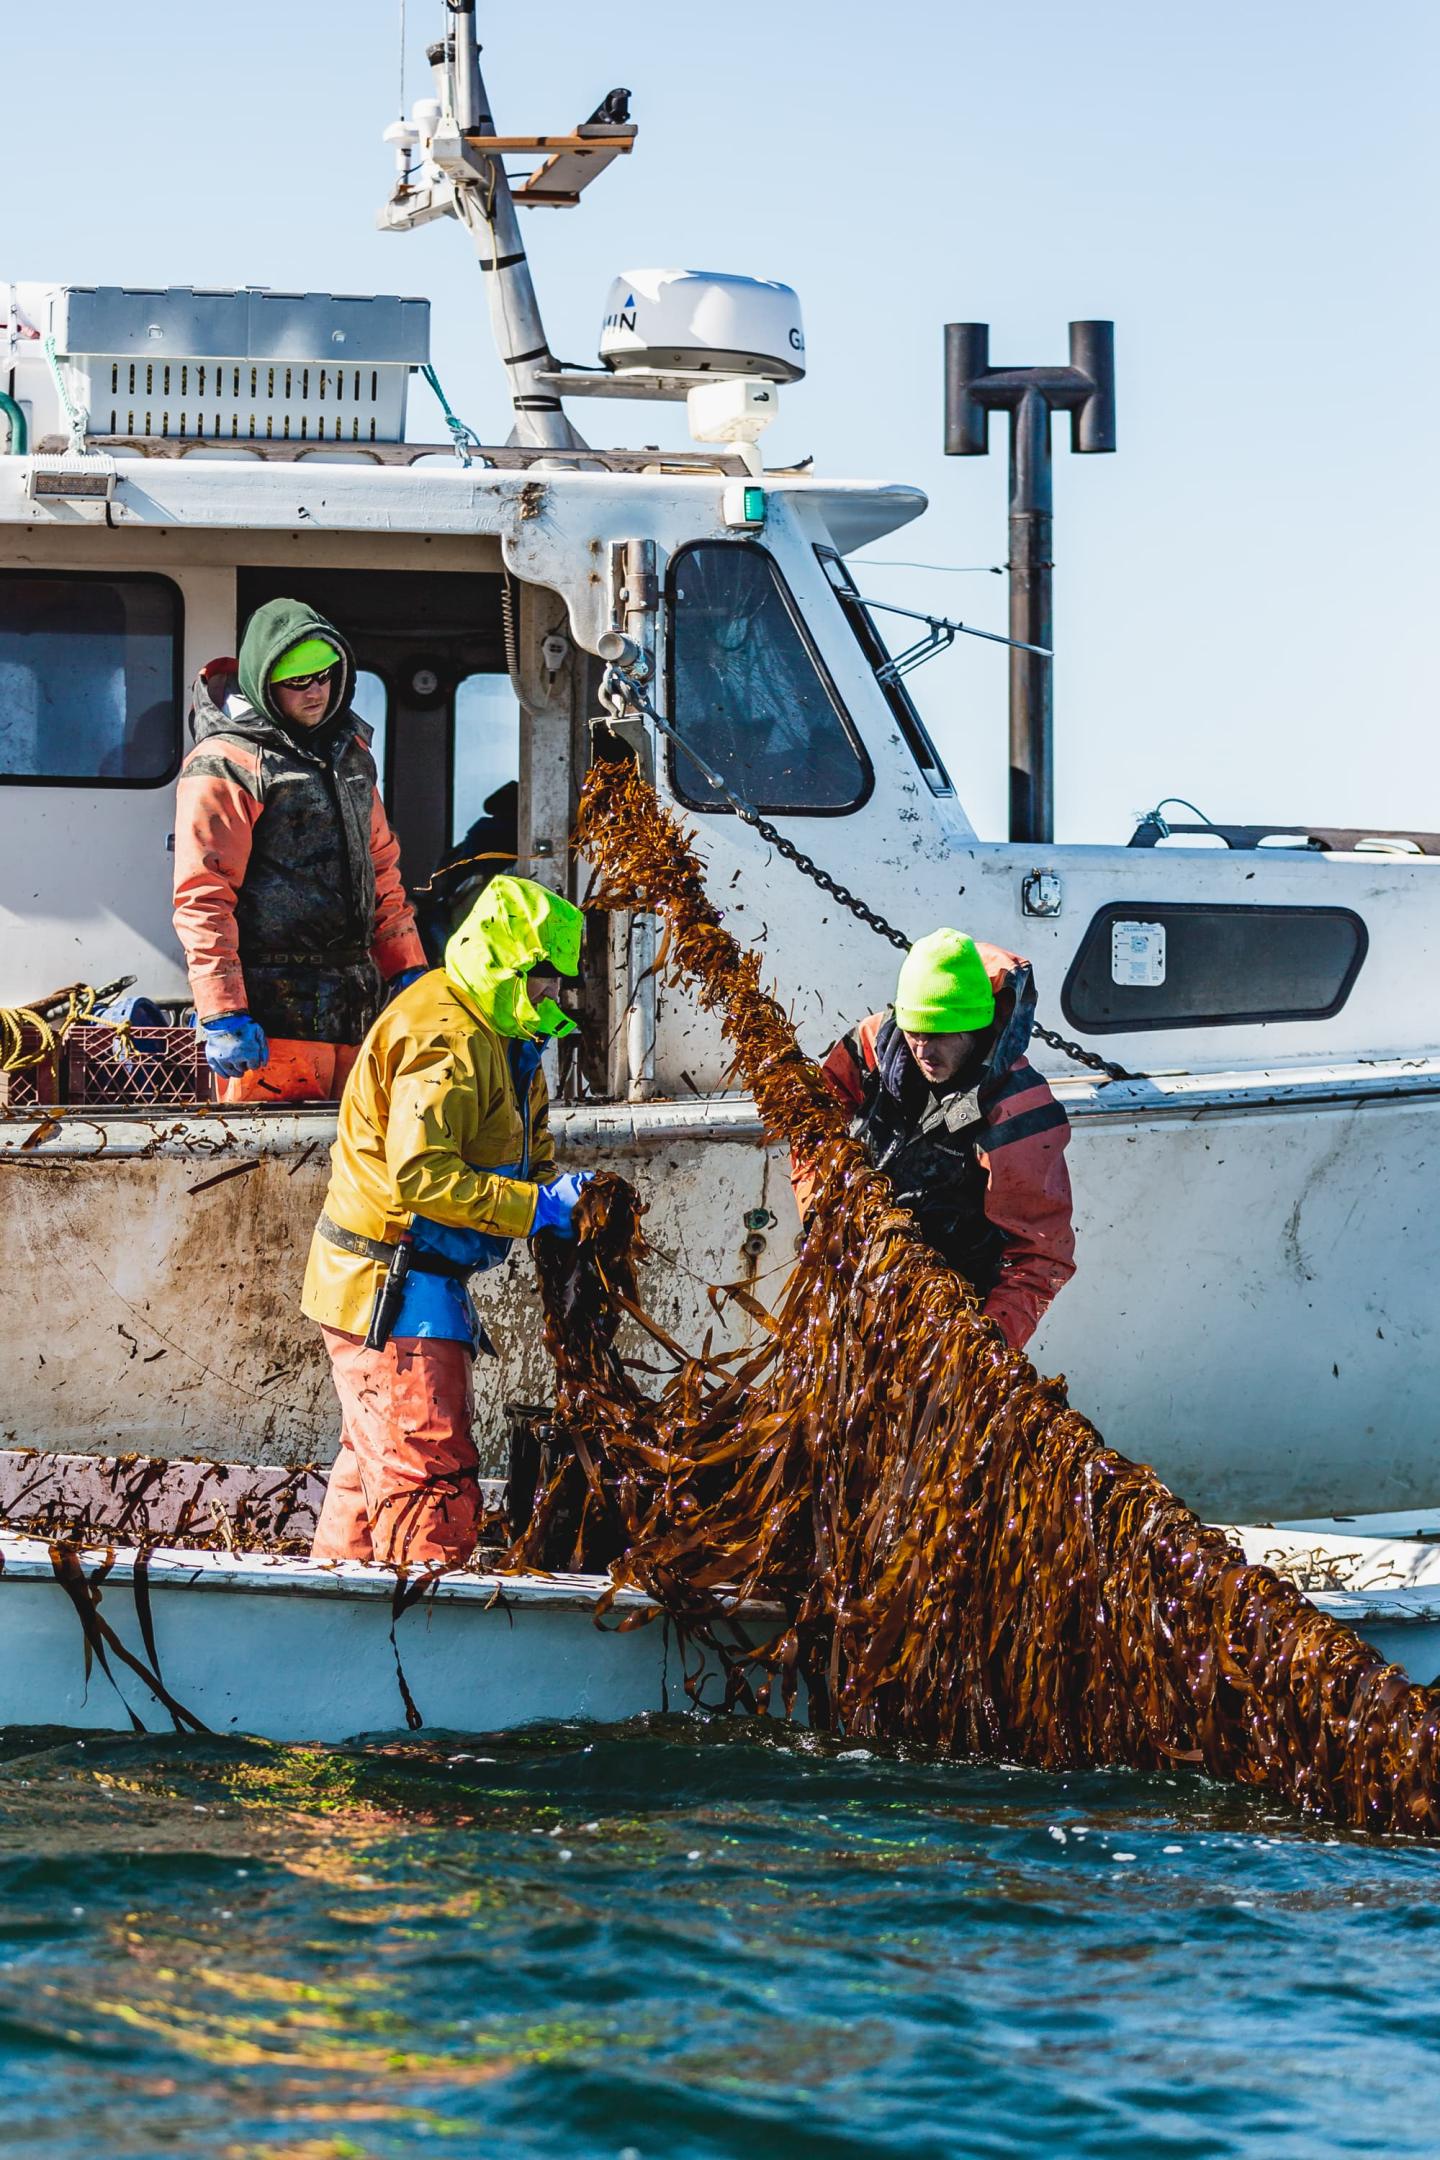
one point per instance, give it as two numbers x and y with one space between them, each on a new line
402 981
234 1044
555 1204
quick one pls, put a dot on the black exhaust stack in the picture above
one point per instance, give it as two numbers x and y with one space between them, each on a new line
1086 390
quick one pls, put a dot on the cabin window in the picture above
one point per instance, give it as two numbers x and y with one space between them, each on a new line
485 791
912 728
1169 964
90 689
747 688
371 700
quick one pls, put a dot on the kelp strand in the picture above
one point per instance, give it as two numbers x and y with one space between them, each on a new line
962 1563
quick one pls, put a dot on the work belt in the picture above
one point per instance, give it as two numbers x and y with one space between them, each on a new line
334 956
367 1248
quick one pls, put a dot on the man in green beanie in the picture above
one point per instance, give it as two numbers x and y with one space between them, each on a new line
969 1133
288 899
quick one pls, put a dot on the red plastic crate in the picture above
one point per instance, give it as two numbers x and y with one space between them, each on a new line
126 1066
29 1086
32 1087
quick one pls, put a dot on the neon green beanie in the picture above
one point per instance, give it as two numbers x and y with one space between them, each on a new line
943 987
307 658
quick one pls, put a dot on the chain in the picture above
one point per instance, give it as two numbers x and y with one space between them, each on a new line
895 937
621 686
822 878
1092 1058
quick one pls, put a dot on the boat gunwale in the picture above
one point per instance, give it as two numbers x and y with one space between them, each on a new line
27 1560
201 1132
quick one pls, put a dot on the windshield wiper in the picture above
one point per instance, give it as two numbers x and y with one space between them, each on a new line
941 632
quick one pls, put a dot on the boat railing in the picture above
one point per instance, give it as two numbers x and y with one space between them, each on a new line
497 457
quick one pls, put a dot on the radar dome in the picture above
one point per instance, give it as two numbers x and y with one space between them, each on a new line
703 322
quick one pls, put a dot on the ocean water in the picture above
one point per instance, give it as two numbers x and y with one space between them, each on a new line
679 1941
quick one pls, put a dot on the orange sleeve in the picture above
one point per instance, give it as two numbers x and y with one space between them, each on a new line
395 944
217 801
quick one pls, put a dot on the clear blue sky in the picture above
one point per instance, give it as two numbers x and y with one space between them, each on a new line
1245 592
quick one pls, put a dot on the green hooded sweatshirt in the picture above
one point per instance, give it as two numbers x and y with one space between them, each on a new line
513 926
269 634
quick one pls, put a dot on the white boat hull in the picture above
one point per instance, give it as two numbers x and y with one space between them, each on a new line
1253 1312
281 1650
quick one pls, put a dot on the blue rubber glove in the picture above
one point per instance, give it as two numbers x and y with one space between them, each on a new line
234 1044
402 981
555 1204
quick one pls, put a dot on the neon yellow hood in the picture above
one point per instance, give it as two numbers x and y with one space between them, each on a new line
513 926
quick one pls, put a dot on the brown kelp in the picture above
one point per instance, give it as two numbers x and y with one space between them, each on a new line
961 1561
151 1500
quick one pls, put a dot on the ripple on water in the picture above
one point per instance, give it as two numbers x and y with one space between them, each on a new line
685 1941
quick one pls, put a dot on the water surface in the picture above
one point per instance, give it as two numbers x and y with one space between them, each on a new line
675 1941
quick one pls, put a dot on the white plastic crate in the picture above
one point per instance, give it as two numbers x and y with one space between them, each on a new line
246 366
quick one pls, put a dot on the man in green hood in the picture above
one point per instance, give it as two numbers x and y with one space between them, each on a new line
443 1157
288 898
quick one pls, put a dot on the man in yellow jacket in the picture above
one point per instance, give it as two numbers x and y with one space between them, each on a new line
442 1160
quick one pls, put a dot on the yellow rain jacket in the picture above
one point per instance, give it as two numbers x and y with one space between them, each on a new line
430 1109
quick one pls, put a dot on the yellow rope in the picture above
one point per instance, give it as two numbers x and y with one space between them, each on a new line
19 1021
17 1025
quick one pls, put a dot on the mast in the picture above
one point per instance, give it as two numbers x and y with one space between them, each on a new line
479 194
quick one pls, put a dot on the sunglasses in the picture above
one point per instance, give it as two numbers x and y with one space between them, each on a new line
307 682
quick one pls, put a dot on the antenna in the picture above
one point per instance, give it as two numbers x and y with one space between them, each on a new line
451 163
1086 390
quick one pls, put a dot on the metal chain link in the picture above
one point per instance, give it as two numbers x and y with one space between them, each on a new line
1092 1058
805 864
827 884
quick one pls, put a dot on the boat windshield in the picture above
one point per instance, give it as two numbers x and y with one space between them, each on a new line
877 652
748 689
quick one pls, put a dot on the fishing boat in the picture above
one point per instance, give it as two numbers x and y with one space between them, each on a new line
1232 1017
148 1636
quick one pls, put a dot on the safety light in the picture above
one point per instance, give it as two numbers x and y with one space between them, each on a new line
743 506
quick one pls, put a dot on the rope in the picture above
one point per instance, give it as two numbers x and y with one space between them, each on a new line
632 694
27 1038
19 1029
77 415
463 438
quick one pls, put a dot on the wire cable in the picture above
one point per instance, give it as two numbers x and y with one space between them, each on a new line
891 562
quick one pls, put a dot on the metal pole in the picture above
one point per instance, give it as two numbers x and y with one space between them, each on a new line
488 210
1032 503
1086 390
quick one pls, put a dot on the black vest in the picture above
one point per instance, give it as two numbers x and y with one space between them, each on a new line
306 911
925 1144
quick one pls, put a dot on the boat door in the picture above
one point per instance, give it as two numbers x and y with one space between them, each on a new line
434 684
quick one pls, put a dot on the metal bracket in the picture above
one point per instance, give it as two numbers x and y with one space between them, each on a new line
629 729
1041 893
